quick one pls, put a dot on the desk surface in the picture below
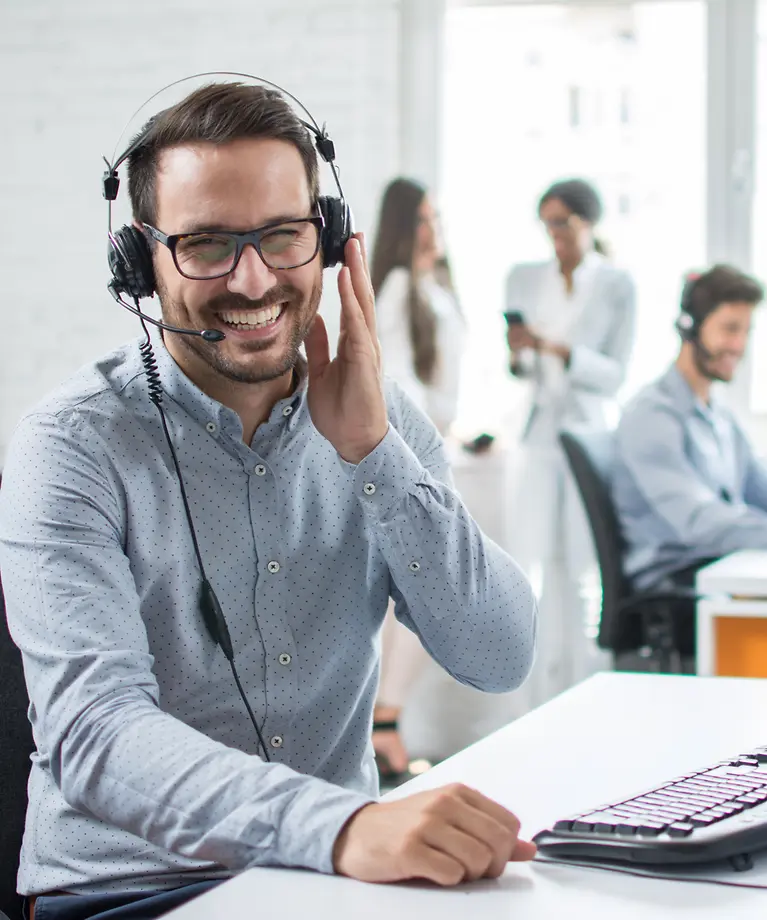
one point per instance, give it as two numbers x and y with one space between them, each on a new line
739 573
614 734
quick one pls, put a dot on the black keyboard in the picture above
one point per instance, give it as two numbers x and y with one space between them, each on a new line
716 813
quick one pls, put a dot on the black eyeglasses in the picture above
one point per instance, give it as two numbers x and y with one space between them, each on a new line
210 254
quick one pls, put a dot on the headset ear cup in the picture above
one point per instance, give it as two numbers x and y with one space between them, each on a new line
130 262
685 326
337 230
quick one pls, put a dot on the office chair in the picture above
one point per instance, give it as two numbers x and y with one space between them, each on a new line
643 623
16 746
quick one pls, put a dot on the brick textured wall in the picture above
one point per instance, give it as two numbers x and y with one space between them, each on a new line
72 73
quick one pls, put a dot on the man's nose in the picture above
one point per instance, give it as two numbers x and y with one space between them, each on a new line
252 277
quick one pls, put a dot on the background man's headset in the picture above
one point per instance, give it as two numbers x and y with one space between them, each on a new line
132 269
689 322
687 325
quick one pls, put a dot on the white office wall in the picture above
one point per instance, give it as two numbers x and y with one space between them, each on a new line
72 73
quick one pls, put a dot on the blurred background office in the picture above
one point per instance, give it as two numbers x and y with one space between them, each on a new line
660 104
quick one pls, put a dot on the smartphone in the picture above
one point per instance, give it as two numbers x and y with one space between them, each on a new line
514 318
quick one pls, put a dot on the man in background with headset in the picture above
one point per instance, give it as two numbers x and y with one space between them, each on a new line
686 483
314 492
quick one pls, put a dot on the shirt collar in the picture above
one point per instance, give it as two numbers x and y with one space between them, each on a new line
589 264
684 395
208 412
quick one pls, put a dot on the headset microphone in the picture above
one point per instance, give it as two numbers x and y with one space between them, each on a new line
210 335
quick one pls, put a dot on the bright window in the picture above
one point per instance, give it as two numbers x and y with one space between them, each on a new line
537 93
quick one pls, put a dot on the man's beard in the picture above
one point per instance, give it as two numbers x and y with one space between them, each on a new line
705 362
214 355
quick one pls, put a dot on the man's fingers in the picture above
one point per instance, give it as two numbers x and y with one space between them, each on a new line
498 839
354 328
523 851
435 866
360 237
317 347
474 855
482 803
361 283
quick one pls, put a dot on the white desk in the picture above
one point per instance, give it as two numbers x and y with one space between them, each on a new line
735 589
613 734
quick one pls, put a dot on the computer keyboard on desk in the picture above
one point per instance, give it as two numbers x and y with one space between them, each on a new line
716 813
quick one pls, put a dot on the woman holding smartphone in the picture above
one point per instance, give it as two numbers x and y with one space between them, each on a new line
570 331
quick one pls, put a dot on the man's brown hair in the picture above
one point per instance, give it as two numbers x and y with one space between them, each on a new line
216 114
720 284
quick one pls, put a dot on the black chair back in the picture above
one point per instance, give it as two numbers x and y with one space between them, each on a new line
16 746
590 457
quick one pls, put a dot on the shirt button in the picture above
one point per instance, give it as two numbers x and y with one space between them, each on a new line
285 658
260 470
369 488
415 566
288 410
211 428
274 567
276 741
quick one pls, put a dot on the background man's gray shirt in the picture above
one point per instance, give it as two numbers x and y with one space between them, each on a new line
686 483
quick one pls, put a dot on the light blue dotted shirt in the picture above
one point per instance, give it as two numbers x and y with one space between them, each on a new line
146 774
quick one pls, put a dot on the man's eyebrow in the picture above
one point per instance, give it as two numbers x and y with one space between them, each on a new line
213 227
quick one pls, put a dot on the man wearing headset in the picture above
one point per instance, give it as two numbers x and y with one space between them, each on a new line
686 483
315 492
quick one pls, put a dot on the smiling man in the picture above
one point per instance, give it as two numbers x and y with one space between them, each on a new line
686 483
316 492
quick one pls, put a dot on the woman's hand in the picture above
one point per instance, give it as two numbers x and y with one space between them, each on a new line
564 352
519 336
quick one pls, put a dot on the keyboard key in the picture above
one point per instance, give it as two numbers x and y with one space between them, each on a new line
727 810
652 828
580 826
710 793
756 798
704 819
703 792
565 824
680 829
600 821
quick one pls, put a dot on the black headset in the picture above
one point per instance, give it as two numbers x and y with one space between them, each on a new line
687 325
129 256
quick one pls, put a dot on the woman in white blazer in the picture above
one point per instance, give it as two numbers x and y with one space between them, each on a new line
421 331
572 345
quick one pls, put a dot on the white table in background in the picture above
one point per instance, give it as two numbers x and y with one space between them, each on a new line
733 587
612 735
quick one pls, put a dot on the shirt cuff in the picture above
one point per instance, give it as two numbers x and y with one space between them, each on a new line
388 473
320 824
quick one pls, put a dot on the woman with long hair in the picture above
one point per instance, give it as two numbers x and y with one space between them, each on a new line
570 334
421 332
420 325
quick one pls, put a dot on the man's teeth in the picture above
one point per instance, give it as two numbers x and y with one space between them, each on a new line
253 318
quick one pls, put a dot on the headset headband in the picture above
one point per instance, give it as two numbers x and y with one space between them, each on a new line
323 143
